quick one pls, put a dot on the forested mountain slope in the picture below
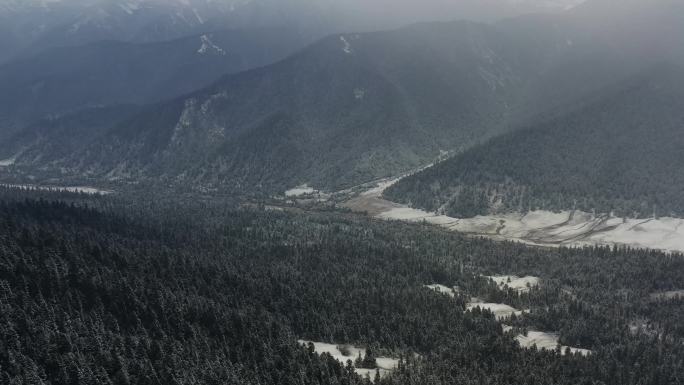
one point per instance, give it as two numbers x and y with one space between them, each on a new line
621 154
200 292
64 80
350 108
54 138
356 107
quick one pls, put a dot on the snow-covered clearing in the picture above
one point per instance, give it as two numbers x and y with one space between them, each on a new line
451 292
72 189
542 340
549 341
521 285
499 310
349 352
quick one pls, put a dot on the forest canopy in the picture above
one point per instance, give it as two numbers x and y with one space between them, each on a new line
103 291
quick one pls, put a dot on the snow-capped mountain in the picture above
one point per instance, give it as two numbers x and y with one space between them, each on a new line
29 26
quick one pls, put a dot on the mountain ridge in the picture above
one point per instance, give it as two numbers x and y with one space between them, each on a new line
64 80
356 107
370 83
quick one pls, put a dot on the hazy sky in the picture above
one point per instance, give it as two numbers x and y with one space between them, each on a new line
391 13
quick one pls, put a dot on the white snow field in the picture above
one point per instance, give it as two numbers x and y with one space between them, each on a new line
385 364
72 189
568 228
521 285
548 341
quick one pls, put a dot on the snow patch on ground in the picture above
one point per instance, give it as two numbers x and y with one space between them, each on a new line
197 16
300 191
130 7
542 340
668 295
346 47
521 285
380 187
209 48
548 341
385 364
8 162
451 292
499 310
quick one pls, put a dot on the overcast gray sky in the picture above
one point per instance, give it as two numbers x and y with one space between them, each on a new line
392 13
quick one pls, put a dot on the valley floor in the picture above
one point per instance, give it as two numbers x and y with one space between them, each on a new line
541 228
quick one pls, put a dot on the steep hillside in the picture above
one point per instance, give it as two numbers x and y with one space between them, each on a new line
621 153
63 80
356 107
51 139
